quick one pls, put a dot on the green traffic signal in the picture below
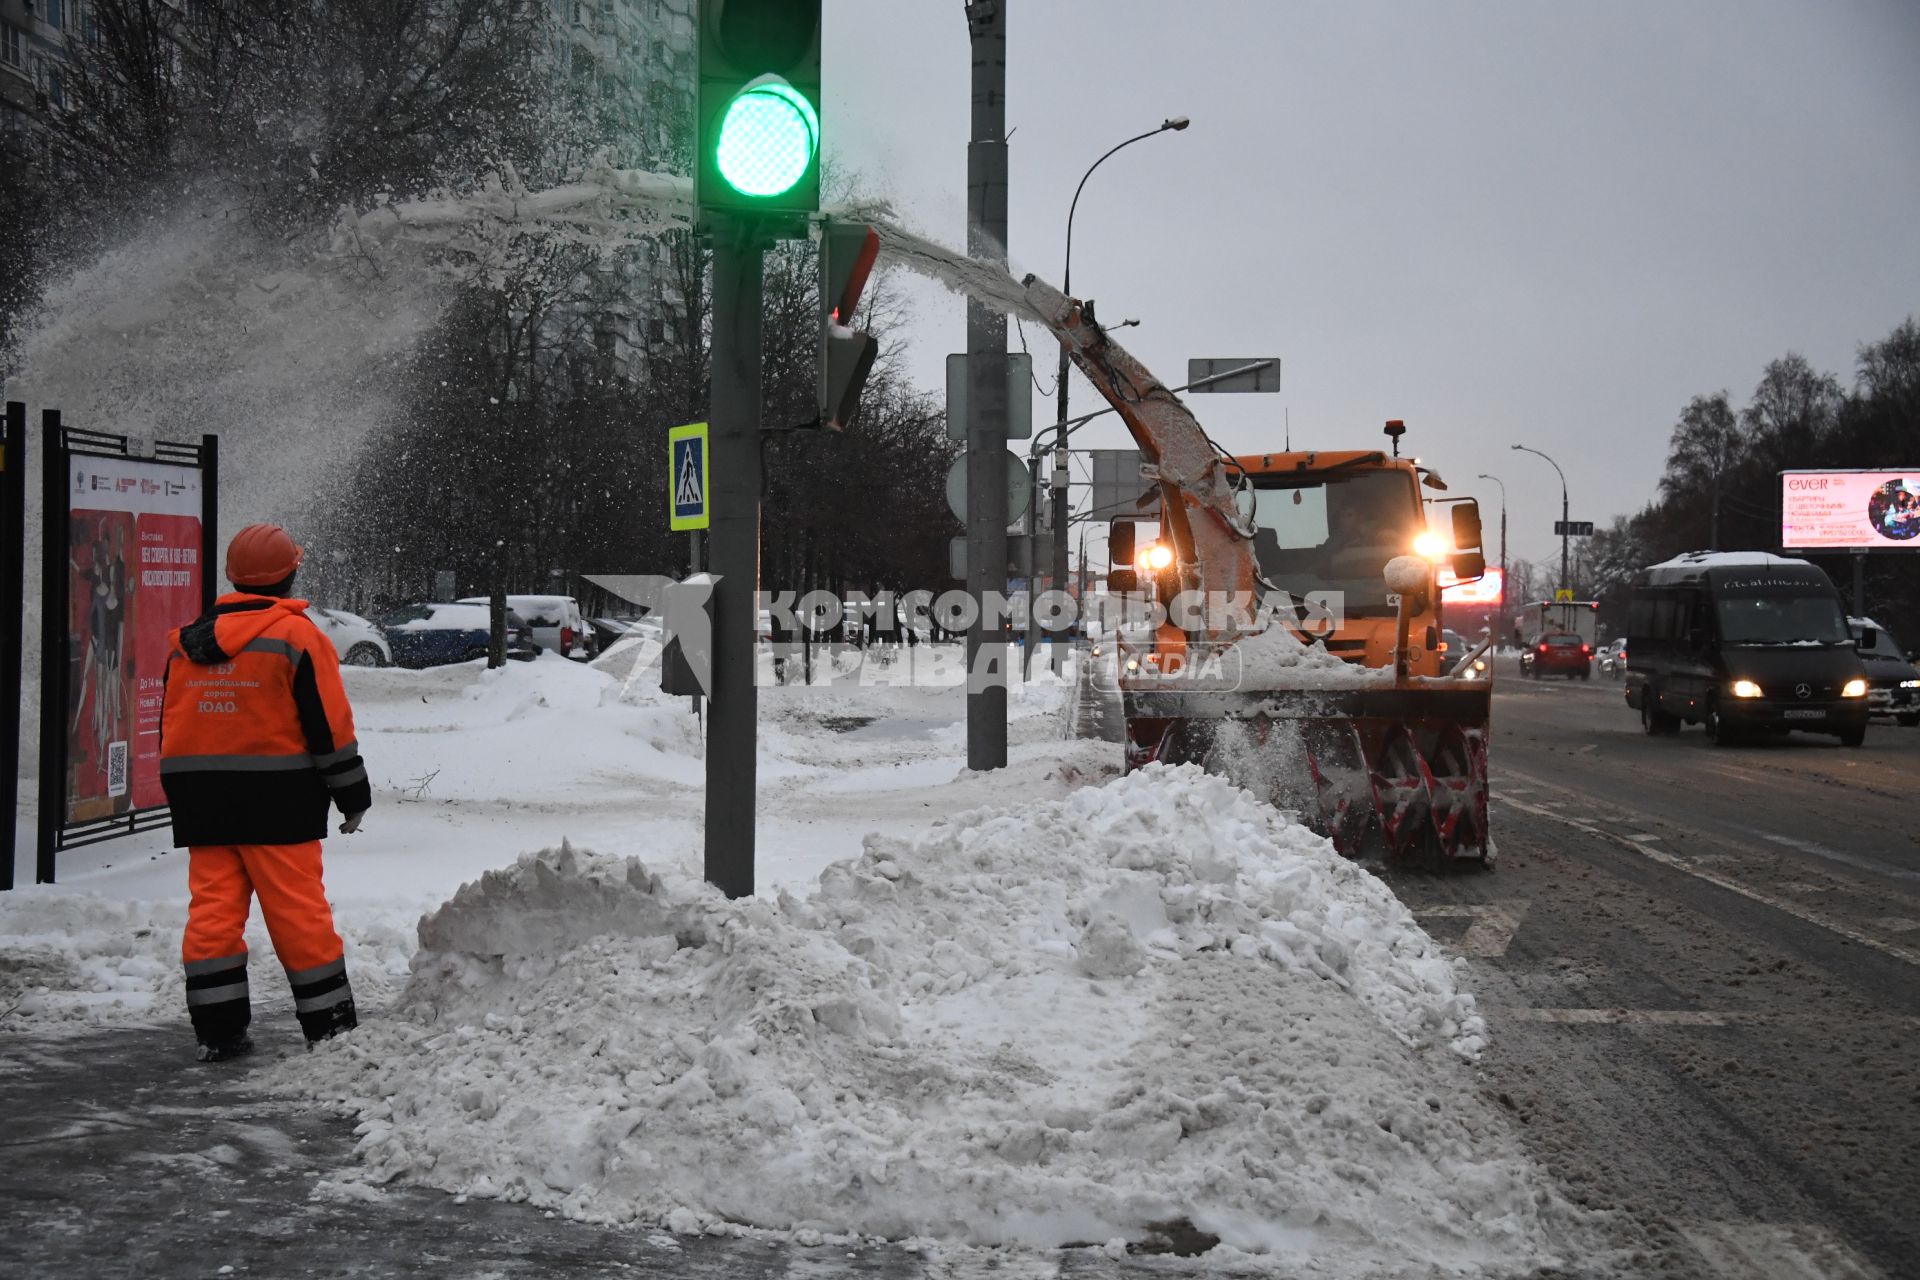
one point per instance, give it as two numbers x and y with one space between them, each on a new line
768 138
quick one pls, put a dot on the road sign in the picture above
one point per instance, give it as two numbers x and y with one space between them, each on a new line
1019 556
1573 528
1019 396
1563 596
1246 373
687 506
1017 482
1118 487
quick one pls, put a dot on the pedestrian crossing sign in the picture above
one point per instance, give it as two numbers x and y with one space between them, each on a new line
687 477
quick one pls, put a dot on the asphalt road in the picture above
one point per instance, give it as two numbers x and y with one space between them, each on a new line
1702 973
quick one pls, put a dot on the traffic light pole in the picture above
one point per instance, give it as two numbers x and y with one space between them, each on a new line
733 553
987 393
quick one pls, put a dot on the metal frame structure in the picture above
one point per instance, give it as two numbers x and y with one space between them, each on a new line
62 444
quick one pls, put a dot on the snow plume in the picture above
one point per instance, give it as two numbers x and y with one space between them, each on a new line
1142 1003
198 325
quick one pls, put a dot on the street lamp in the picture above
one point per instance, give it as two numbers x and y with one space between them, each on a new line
1564 537
1173 124
1503 530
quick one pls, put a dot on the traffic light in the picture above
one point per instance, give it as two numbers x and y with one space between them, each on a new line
847 254
759 107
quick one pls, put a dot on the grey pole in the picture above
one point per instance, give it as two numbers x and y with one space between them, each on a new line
1503 529
987 394
1859 585
733 555
1565 537
1060 504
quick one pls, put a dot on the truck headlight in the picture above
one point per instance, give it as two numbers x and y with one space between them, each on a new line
1746 689
1854 689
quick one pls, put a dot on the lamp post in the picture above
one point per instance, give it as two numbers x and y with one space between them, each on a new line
1503 531
1173 124
1565 541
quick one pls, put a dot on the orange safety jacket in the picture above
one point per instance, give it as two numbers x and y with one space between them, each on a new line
255 732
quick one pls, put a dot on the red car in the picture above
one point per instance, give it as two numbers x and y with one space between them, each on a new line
1560 653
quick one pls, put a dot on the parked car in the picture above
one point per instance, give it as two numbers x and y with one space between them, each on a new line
432 635
1743 642
358 642
1613 659
555 621
1560 653
1893 682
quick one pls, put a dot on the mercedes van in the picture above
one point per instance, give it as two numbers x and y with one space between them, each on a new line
1744 643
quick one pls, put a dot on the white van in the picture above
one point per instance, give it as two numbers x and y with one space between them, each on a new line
555 622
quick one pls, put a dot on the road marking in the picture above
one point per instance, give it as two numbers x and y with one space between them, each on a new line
1834 855
1653 1017
1776 1251
1493 927
1794 909
1896 924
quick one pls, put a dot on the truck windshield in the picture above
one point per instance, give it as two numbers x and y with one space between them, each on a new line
1782 619
1333 532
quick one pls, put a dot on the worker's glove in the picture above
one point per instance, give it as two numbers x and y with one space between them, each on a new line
352 824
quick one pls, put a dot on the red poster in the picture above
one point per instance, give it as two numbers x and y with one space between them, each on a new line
134 564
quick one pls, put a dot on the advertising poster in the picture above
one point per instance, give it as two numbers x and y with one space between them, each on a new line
133 562
1850 510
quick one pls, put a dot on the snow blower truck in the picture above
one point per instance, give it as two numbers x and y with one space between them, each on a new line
1287 628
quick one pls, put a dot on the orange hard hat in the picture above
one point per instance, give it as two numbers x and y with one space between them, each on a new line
261 555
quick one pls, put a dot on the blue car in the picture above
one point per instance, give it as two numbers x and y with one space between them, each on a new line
433 635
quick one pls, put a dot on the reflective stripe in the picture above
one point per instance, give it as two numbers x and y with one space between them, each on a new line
280 647
197 968
314 1003
338 780
319 971
235 764
219 995
347 752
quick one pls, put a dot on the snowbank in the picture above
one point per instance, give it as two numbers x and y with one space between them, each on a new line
1139 1003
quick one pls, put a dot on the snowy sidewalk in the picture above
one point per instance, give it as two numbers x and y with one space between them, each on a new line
125 1157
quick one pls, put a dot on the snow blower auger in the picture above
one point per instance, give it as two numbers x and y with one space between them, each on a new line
1284 628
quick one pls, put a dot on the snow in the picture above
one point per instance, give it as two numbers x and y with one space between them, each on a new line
1052 1023
1037 1006
1730 560
449 617
1408 575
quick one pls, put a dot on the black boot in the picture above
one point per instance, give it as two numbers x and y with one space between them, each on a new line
225 1049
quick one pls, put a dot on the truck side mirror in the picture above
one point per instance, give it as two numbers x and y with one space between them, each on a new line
1469 565
1868 639
1123 581
1120 543
1466 527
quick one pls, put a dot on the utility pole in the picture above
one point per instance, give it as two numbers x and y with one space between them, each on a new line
733 553
1060 504
987 393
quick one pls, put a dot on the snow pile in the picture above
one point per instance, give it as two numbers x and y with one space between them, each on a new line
1142 1003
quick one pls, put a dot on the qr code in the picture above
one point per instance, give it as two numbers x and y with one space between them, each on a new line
116 768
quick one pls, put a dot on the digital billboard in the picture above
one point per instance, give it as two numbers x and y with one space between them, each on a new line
1487 590
1850 510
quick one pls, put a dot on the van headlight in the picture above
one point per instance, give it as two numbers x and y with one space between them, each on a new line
1854 689
1746 689
1910 684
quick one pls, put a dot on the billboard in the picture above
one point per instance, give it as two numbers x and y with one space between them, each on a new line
133 553
1850 510
1486 591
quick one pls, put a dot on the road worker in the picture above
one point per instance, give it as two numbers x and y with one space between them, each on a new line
256 739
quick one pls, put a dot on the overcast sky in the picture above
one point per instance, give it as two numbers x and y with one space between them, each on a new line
1548 223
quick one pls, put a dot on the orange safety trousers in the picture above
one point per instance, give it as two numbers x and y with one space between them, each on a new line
223 879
